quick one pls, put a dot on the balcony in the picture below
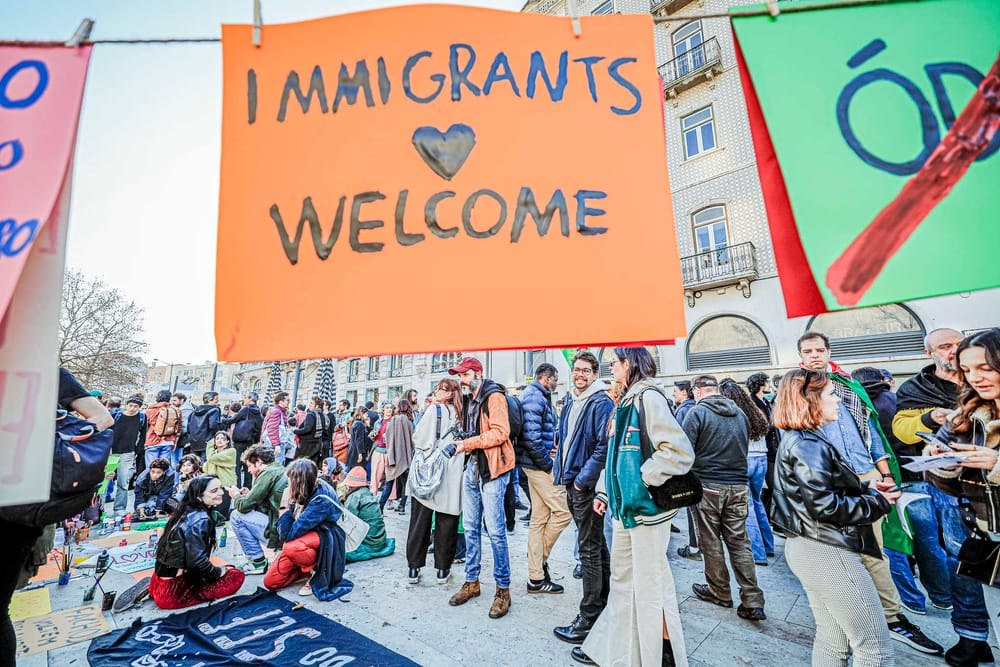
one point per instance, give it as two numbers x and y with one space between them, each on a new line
373 374
692 67
354 375
734 265
396 372
666 7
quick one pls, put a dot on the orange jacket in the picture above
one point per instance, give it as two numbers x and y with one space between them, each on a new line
152 439
494 436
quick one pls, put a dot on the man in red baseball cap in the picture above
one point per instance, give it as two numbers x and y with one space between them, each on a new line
489 461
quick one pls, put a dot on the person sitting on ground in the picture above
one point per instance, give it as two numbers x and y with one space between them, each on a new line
332 472
313 542
221 462
189 468
255 519
184 574
153 488
364 505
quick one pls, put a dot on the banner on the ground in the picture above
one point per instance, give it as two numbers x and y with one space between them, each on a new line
432 178
262 628
41 90
876 133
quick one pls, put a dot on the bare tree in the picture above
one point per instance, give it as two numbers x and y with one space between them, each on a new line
101 335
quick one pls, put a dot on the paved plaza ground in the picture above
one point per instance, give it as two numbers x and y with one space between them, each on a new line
417 622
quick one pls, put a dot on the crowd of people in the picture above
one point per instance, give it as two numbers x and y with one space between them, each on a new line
814 460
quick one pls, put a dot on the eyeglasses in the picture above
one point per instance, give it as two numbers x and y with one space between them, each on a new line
808 378
583 371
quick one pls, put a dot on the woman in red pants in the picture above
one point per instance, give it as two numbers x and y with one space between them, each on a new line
313 542
184 573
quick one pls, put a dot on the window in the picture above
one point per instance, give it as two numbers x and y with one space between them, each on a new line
711 234
352 398
396 365
608 354
374 363
532 358
688 50
440 363
727 341
354 370
372 394
698 129
258 386
395 393
871 333
604 8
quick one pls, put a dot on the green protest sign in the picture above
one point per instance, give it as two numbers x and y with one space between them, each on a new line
885 123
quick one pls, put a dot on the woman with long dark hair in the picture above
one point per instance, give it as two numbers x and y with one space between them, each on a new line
360 450
399 453
184 574
758 528
442 507
641 624
827 513
313 542
973 431
759 387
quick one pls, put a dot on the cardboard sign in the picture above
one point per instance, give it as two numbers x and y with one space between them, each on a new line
40 94
133 557
28 604
459 163
876 144
58 629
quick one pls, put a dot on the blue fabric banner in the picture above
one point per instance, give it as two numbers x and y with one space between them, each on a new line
262 629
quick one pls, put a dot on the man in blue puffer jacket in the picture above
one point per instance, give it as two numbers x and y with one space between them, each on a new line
549 512
582 453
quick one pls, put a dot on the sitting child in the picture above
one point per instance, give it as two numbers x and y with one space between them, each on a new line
363 504
188 469
332 472
153 488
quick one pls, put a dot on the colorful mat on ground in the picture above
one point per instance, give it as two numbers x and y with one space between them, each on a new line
263 629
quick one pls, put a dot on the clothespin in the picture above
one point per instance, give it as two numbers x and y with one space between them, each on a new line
256 22
575 17
82 33
773 9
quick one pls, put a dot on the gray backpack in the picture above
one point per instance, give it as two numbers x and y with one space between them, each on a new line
427 468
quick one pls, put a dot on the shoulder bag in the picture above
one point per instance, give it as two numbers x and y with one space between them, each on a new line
679 490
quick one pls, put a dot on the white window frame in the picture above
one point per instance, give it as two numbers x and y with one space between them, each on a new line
696 129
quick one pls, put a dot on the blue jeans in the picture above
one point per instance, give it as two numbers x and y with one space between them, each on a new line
159 452
969 617
481 503
931 558
249 528
758 527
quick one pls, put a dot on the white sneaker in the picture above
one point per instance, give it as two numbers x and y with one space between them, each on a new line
306 589
250 568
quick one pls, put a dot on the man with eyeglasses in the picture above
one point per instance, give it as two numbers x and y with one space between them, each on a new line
923 403
858 438
580 456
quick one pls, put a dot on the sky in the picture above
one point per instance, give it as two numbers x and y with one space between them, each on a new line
146 178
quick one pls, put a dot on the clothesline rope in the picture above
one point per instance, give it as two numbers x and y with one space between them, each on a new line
763 11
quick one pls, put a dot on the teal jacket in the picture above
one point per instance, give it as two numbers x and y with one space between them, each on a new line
625 481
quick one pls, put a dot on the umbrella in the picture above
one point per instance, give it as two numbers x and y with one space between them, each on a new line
326 382
273 382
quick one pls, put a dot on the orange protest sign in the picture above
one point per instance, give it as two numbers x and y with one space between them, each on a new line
432 178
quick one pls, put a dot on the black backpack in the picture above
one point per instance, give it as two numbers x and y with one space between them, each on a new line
198 427
248 428
78 463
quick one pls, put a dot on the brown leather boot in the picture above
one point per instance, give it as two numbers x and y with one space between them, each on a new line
501 603
469 590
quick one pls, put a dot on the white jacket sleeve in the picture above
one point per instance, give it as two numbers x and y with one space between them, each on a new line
672 451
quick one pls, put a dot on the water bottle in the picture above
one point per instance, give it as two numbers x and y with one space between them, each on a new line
223 537
153 537
127 522
103 561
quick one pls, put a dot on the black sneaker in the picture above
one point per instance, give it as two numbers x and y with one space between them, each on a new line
704 592
544 586
132 596
968 652
578 571
443 576
904 631
414 575
751 613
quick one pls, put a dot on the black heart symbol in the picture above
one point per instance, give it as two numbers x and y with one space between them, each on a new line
445 152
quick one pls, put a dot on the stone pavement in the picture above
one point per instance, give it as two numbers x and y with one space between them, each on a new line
417 622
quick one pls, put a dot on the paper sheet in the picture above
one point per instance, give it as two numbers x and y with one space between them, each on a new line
922 463
904 500
28 604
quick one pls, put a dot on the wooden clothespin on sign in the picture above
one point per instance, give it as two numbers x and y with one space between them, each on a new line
82 34
256 22
575 17
773 9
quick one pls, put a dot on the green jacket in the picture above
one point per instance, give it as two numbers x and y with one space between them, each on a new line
265 496
364 505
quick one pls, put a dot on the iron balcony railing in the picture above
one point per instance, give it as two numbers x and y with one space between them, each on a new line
666 6
396 372
693 61
353 375
721 266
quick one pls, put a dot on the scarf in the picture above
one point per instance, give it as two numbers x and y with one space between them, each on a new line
848 391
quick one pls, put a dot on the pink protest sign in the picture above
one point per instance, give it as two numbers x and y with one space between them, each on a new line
41 89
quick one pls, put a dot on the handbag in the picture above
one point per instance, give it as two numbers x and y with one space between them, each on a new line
979 558
354 527
679 490
428 467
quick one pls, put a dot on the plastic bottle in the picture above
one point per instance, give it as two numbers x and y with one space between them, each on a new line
222 539
127 522
153 537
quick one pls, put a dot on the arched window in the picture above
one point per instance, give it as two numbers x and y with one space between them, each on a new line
258 386
727 341
445 360
608 353
891 330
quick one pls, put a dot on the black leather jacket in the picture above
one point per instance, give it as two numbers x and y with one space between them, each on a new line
188 547
817 495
